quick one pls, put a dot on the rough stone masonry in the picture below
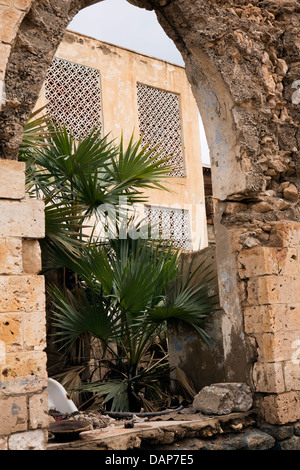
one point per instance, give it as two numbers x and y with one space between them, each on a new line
242 60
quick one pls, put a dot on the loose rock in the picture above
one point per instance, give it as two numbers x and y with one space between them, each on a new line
289 444
262 206
278 432
252 439
291 193
223 398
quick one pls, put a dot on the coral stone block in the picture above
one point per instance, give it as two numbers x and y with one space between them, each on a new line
13 414
10 19
38 410
32 256
270 290
30 440
11 330
285 234
22 293
11 255
22 218
24 371
34 330
271 318
12 176
282 409
268 377
292 372
258 261
277 347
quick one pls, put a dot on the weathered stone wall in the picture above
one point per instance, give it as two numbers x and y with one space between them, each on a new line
243 63
242 60
23 377
30 32
270 275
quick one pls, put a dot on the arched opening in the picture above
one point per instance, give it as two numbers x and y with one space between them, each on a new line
241 61
132 83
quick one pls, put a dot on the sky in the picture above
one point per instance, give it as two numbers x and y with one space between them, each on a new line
120 23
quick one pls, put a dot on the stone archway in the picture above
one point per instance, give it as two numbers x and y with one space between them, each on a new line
242 60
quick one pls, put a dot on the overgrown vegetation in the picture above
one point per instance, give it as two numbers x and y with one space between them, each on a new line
110 306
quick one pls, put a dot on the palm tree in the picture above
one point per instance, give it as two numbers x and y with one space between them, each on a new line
129 289
125 289
85 178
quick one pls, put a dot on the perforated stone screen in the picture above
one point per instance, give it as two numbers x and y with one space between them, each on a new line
74 96
160 121
169 224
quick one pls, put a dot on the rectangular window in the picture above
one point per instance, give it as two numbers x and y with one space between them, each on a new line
160 123
74 96
169 224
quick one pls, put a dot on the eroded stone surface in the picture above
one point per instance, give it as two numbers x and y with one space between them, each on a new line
11 255
30 440
22 218
22 293
283 408
14 414
238 431
32 256
12 178
221 399
248 440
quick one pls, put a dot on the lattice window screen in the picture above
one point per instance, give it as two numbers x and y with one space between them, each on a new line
74 96
172 224
159 121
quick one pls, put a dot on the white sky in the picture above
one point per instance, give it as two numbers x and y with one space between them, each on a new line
122 24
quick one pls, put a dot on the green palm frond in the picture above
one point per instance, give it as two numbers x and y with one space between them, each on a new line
134 272
126 287
138 167
191 304
35 133
62 229
114 390
85 178
188 309
86 312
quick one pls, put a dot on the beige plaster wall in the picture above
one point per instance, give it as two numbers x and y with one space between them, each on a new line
121 69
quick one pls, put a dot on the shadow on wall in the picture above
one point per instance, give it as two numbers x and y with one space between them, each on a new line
198 363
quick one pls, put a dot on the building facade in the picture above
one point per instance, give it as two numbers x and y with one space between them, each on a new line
95 84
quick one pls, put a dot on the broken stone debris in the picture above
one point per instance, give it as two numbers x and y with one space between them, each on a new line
224 398
252 439
265 437
94 418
